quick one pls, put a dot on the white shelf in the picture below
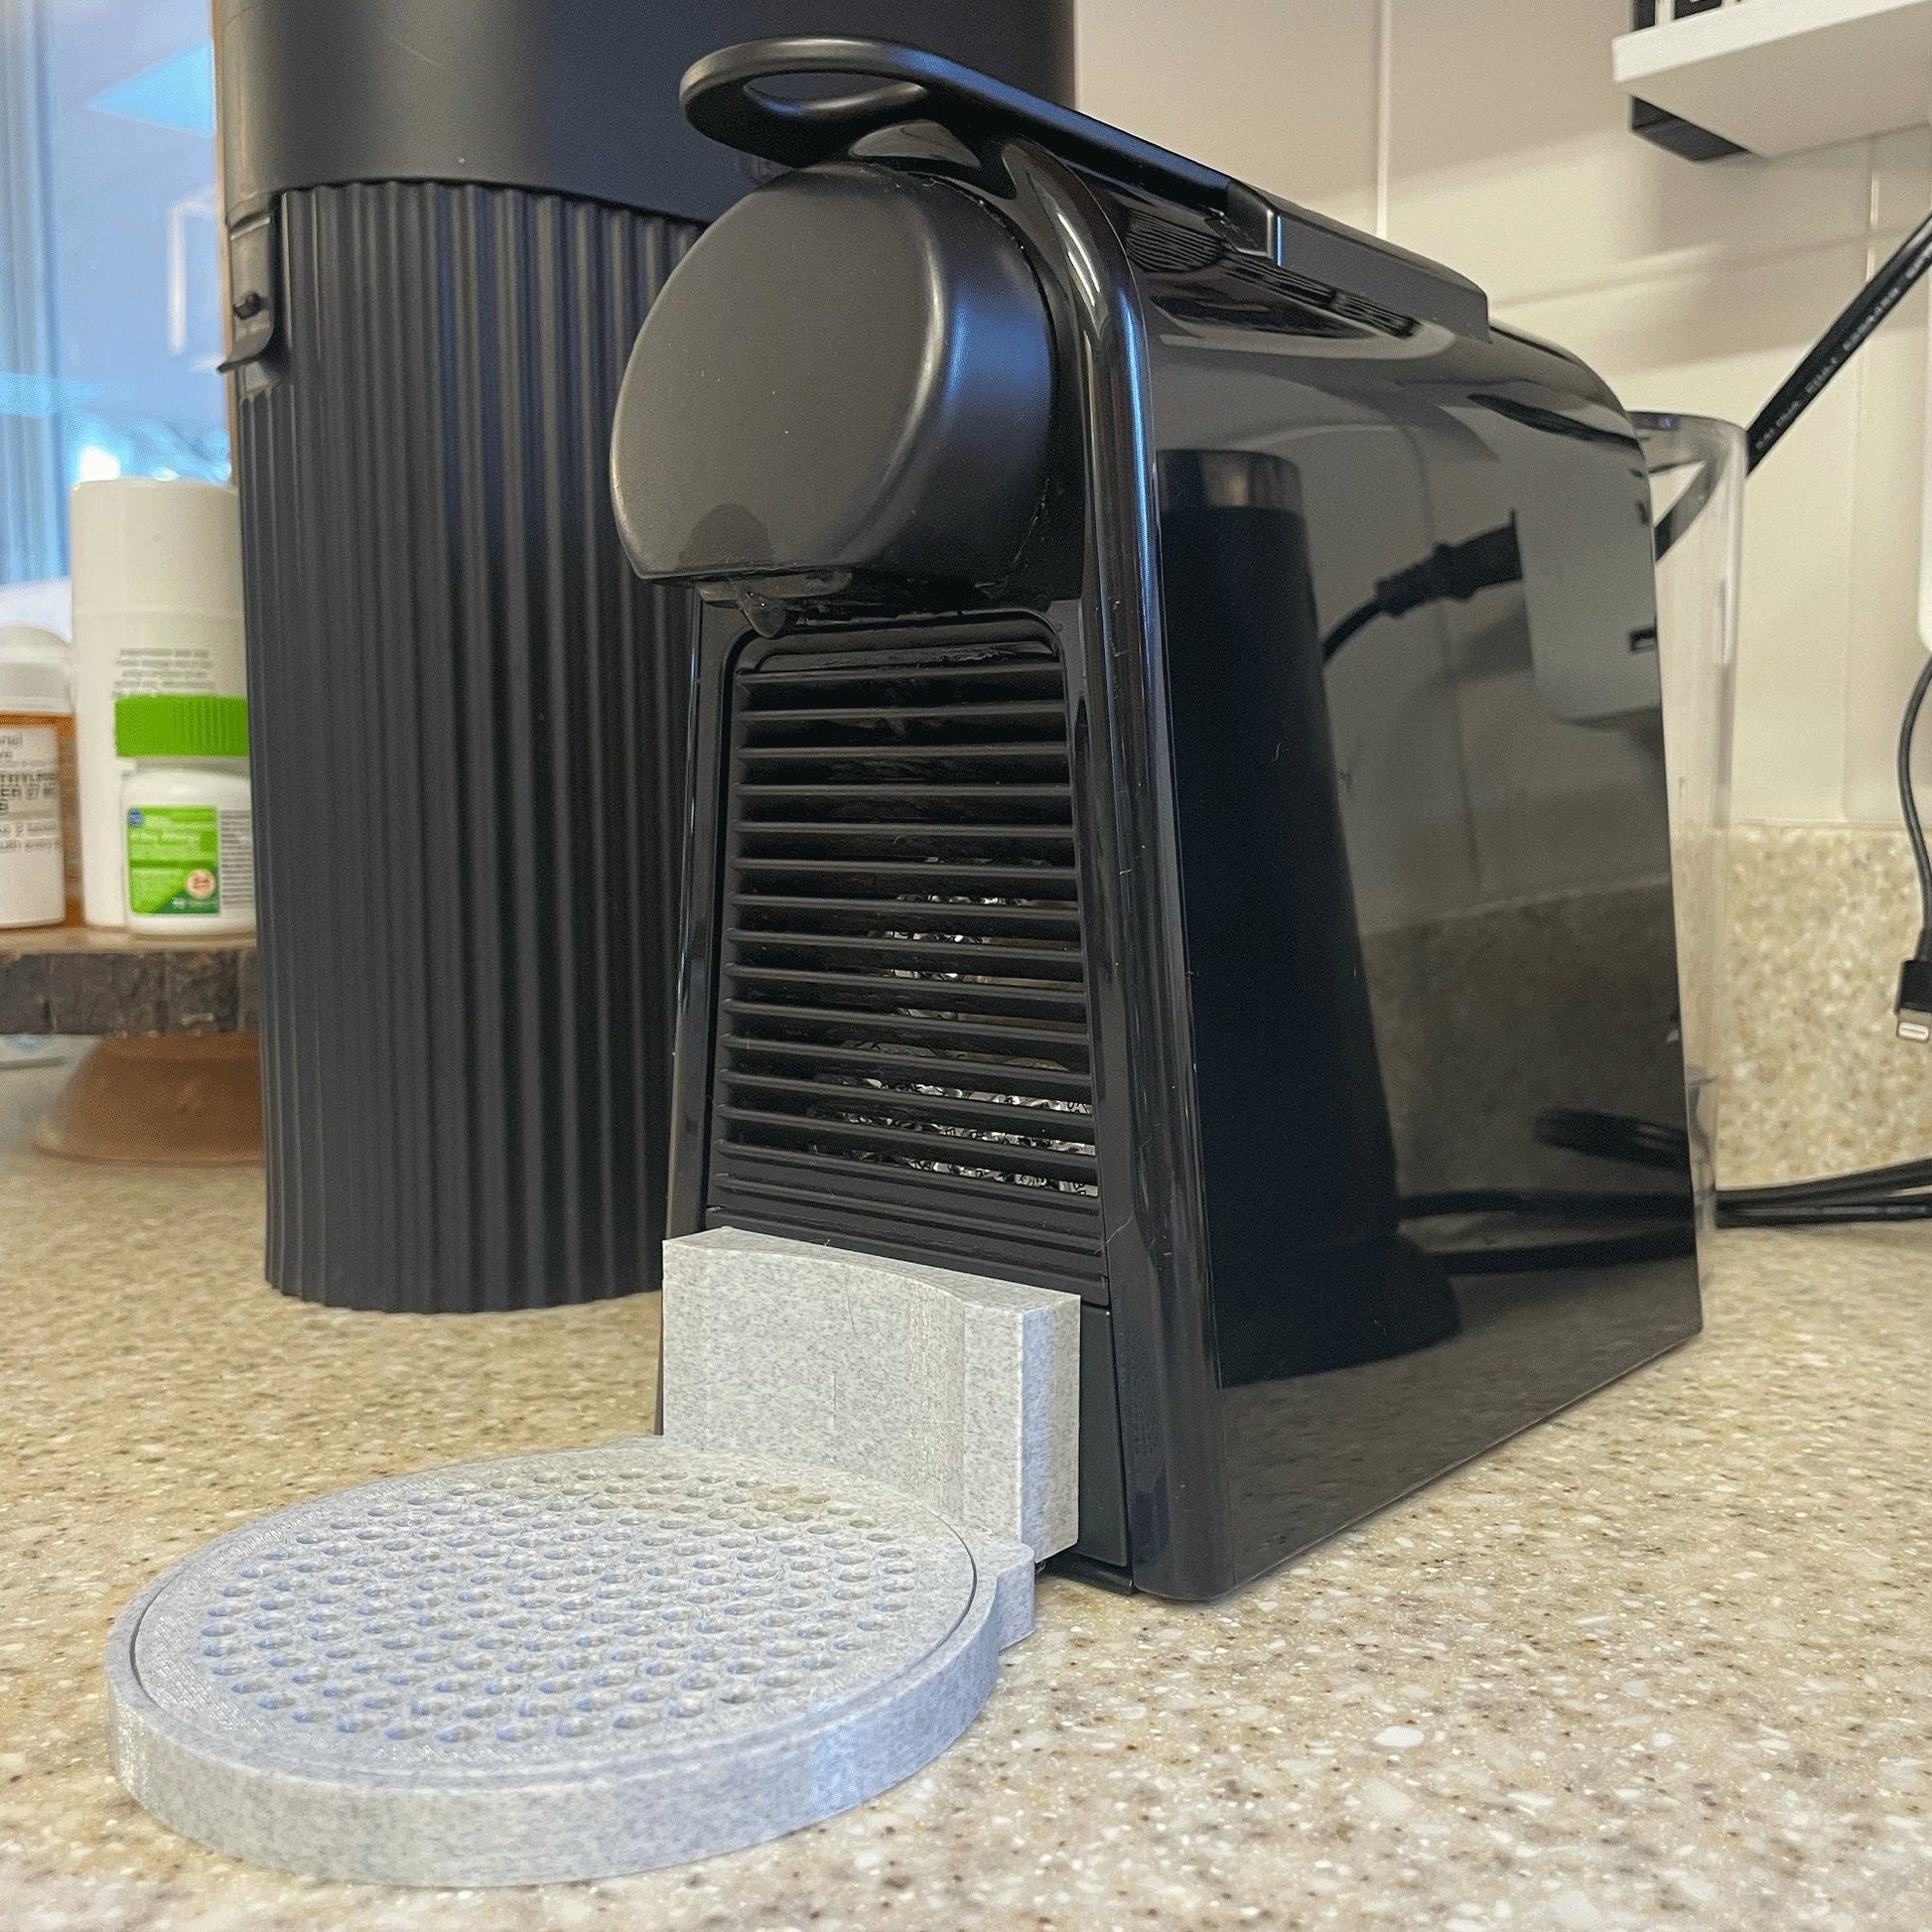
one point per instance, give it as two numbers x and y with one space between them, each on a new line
1779 76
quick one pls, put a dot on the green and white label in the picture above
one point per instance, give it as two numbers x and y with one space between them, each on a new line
173 860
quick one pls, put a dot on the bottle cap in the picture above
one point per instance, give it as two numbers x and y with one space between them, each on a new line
191 726
145 544
32 682
36 641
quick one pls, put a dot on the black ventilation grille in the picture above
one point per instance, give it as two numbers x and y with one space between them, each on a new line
902 1058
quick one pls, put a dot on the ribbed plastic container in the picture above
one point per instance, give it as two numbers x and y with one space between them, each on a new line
468 738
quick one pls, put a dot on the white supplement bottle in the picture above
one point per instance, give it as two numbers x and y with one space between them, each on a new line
187 836
157 606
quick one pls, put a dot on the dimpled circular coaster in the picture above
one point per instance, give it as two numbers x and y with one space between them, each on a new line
551 1667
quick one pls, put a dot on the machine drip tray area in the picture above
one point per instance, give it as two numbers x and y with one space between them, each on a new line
556 1666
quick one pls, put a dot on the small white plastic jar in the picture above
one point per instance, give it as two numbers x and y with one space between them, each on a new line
187 829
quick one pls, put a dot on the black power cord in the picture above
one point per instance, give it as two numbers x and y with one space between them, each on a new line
1877 1184
1842 340
1819 1215
1669 1228
1902 1192
1668 1215
1547 1200
1452 572
1913 1001
1599 1251
1616 1136
1834 348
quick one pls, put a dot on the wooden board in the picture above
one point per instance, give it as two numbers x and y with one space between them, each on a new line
86 980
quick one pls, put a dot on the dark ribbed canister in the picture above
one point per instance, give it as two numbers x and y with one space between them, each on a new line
444 226
468 727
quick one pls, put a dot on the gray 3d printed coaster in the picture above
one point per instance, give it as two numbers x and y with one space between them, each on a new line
555 1667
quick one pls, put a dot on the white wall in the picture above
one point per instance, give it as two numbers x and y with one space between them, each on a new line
1486 133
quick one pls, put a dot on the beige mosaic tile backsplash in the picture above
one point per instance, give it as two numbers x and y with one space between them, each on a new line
1815 1081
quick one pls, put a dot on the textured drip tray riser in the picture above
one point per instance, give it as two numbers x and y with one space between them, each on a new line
556 1667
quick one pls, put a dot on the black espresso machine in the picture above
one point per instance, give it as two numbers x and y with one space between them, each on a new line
1176 803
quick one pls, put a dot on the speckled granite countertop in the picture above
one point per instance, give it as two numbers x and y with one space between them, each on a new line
1665 1661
